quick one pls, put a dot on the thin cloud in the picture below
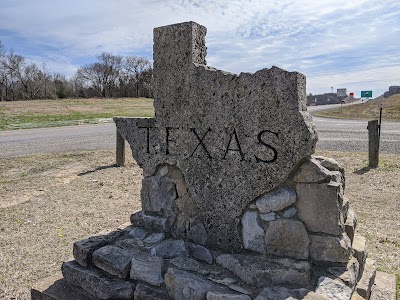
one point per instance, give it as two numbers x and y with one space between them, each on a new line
330 41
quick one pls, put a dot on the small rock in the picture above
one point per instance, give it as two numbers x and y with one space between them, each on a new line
138 232
113 260
276 293
197 233
252 233
287 238
224 281
147 268
276 200
189 264
183 285
360 250
239 289
333 289
147 292
312 172
330 248
150 222
351 223
329 163
290 212
155 238
220 296
348 274
158 195
268 217
170 249
201 253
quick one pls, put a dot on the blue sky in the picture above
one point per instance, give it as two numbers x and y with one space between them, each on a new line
353 44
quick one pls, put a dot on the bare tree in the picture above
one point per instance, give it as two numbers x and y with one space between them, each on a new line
134 67
101 76
3 85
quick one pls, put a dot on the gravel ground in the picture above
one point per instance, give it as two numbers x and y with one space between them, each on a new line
49 201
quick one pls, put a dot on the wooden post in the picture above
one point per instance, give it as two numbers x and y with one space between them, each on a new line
120 150
373 143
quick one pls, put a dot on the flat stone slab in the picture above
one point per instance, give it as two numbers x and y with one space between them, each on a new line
183 285
384 287
114 260
262 271
56 287
96 282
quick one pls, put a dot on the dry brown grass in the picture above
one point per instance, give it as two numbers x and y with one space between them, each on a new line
45 113
368 110
49 201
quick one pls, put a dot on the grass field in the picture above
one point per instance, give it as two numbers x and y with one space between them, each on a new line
368 110
47 113
49 201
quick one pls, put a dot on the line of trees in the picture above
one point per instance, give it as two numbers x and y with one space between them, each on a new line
111 76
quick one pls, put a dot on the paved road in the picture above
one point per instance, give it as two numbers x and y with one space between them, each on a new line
340 135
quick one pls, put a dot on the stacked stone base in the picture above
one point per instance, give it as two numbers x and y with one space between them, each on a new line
134 263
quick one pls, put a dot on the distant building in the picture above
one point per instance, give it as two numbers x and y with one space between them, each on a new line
323 99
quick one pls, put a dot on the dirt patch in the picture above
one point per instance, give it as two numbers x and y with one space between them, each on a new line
50 201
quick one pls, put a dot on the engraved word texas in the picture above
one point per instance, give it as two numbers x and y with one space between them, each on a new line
203 139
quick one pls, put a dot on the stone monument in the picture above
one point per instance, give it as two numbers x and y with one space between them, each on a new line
234 205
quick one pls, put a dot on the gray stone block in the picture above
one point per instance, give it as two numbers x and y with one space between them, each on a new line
262 271
333 289
290 212
154 238
330 248
148 268
138 232
312 172
183 285
96 282
150 222
276 293
158 194
287 238
314 296
348 274
351 223
252 232
83 249
197 233
319 207
189 264
364 285
268 217
360 251
201 253
171 249
113 260
329 163
220 296
384 287
147 292
276 200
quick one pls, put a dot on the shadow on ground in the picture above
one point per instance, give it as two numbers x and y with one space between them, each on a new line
98 169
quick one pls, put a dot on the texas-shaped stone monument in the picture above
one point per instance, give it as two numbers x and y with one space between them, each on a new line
232 138
234 205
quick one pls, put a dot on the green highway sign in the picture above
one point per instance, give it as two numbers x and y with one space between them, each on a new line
366 94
